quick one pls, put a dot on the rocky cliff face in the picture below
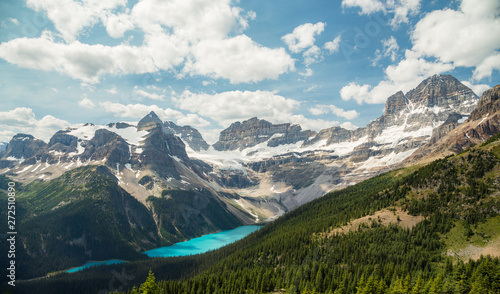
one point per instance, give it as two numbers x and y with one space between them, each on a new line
106 145
63 142
147 120
255 131
395 103
488 104
23 146
189 135
453 137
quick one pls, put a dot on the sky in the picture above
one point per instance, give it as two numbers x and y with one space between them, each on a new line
209 63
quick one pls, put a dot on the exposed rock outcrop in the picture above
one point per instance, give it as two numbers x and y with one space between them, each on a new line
188 134
24 146
452 138
241 135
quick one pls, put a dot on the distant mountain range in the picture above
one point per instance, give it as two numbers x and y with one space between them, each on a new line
256 172
253 159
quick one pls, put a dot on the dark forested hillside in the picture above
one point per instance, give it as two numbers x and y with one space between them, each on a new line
84 215
304 252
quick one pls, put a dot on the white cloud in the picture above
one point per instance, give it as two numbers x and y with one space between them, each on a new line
87 103
312 55
404 76
23 120
485 69
70 17
391 48
348 126
77 60
118 24
333 46
188 36
303 36
367 6
463 37
451 39
112 91
193 120
324 109
228 107
307 73
141 110
400 9
312 88
207 83
238 59
193 19
149 95
478 89
14 21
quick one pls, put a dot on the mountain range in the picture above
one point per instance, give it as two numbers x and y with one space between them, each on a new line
167 180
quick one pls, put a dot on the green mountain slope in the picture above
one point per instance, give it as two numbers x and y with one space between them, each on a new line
304 251
84 215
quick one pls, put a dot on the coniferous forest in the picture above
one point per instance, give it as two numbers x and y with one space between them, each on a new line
304 252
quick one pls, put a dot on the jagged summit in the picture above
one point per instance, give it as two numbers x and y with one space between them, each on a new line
23 146
439 91
151 117
241 135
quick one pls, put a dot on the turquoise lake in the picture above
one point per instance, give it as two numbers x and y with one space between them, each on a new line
191 247
204 243
95 263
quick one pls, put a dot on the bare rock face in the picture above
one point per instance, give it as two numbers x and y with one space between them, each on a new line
452 137
255 131
189 135
395 103
63 142
161 148
150 118
24 146
107 145
441 91
441 131
488 104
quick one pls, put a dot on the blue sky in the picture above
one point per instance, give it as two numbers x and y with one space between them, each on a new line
208 63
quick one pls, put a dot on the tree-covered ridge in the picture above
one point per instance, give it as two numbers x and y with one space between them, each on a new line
83 215
286 256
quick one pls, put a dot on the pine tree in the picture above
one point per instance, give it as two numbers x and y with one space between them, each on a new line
150 286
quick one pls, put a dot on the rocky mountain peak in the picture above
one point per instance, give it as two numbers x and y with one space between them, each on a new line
188 134
442 91
23 146
255 131
150 118
63 142
395 103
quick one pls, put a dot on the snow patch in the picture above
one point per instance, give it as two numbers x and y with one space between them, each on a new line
25 169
